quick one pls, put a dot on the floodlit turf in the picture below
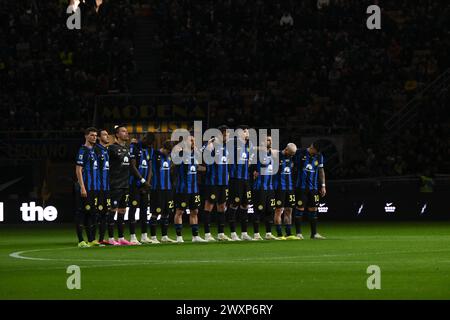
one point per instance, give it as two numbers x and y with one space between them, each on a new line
414 259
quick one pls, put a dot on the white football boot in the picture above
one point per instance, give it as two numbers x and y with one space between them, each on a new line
235 237
166 239
198 239
257 237
223 237
246 237
209 237
318 237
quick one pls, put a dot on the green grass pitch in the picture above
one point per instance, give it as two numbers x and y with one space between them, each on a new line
414 259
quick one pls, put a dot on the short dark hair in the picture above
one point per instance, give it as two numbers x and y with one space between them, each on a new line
149 137
89 130
167 144
243 127
316 145
99 131
223 128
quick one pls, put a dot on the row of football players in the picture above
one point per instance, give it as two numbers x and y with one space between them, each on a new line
116 176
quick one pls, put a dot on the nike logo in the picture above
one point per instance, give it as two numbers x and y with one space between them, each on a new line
9 183
389 204
360 209
321 204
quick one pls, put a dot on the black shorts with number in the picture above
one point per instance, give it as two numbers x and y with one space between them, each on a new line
104 201
216 194
162 202
240 193
139 197
307 198
189 201
263 200
119 198
284 198
89 204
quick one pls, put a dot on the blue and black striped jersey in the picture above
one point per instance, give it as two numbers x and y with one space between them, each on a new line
187 174
264 167
143 156
283 179
161 164
239 168
87 158
217 172
308 169
103 163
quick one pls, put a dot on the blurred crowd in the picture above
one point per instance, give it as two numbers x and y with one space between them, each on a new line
315 62
280 63
48 73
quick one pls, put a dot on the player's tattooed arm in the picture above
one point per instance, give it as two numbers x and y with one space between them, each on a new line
323 190
79 173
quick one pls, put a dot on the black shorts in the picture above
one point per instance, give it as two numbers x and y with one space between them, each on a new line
216 194
104 201
307 198
263 200
162 202
89 204
240 193
139 197
119 198
284 198
189 201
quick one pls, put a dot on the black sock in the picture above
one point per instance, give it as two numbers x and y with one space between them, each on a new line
143 218
132 220
110 219
256 222
288 229
207 221
164 226
231 213
88 226
279 230
120 224
194 228
298 221
102 226
268 227
178 229
221 222
153 225
244 219
313 221
79 228
93 221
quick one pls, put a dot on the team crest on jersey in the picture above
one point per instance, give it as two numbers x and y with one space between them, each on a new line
316 163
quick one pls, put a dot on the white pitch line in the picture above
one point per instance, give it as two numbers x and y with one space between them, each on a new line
19 255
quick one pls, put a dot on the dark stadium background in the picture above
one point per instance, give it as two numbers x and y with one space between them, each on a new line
378 100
